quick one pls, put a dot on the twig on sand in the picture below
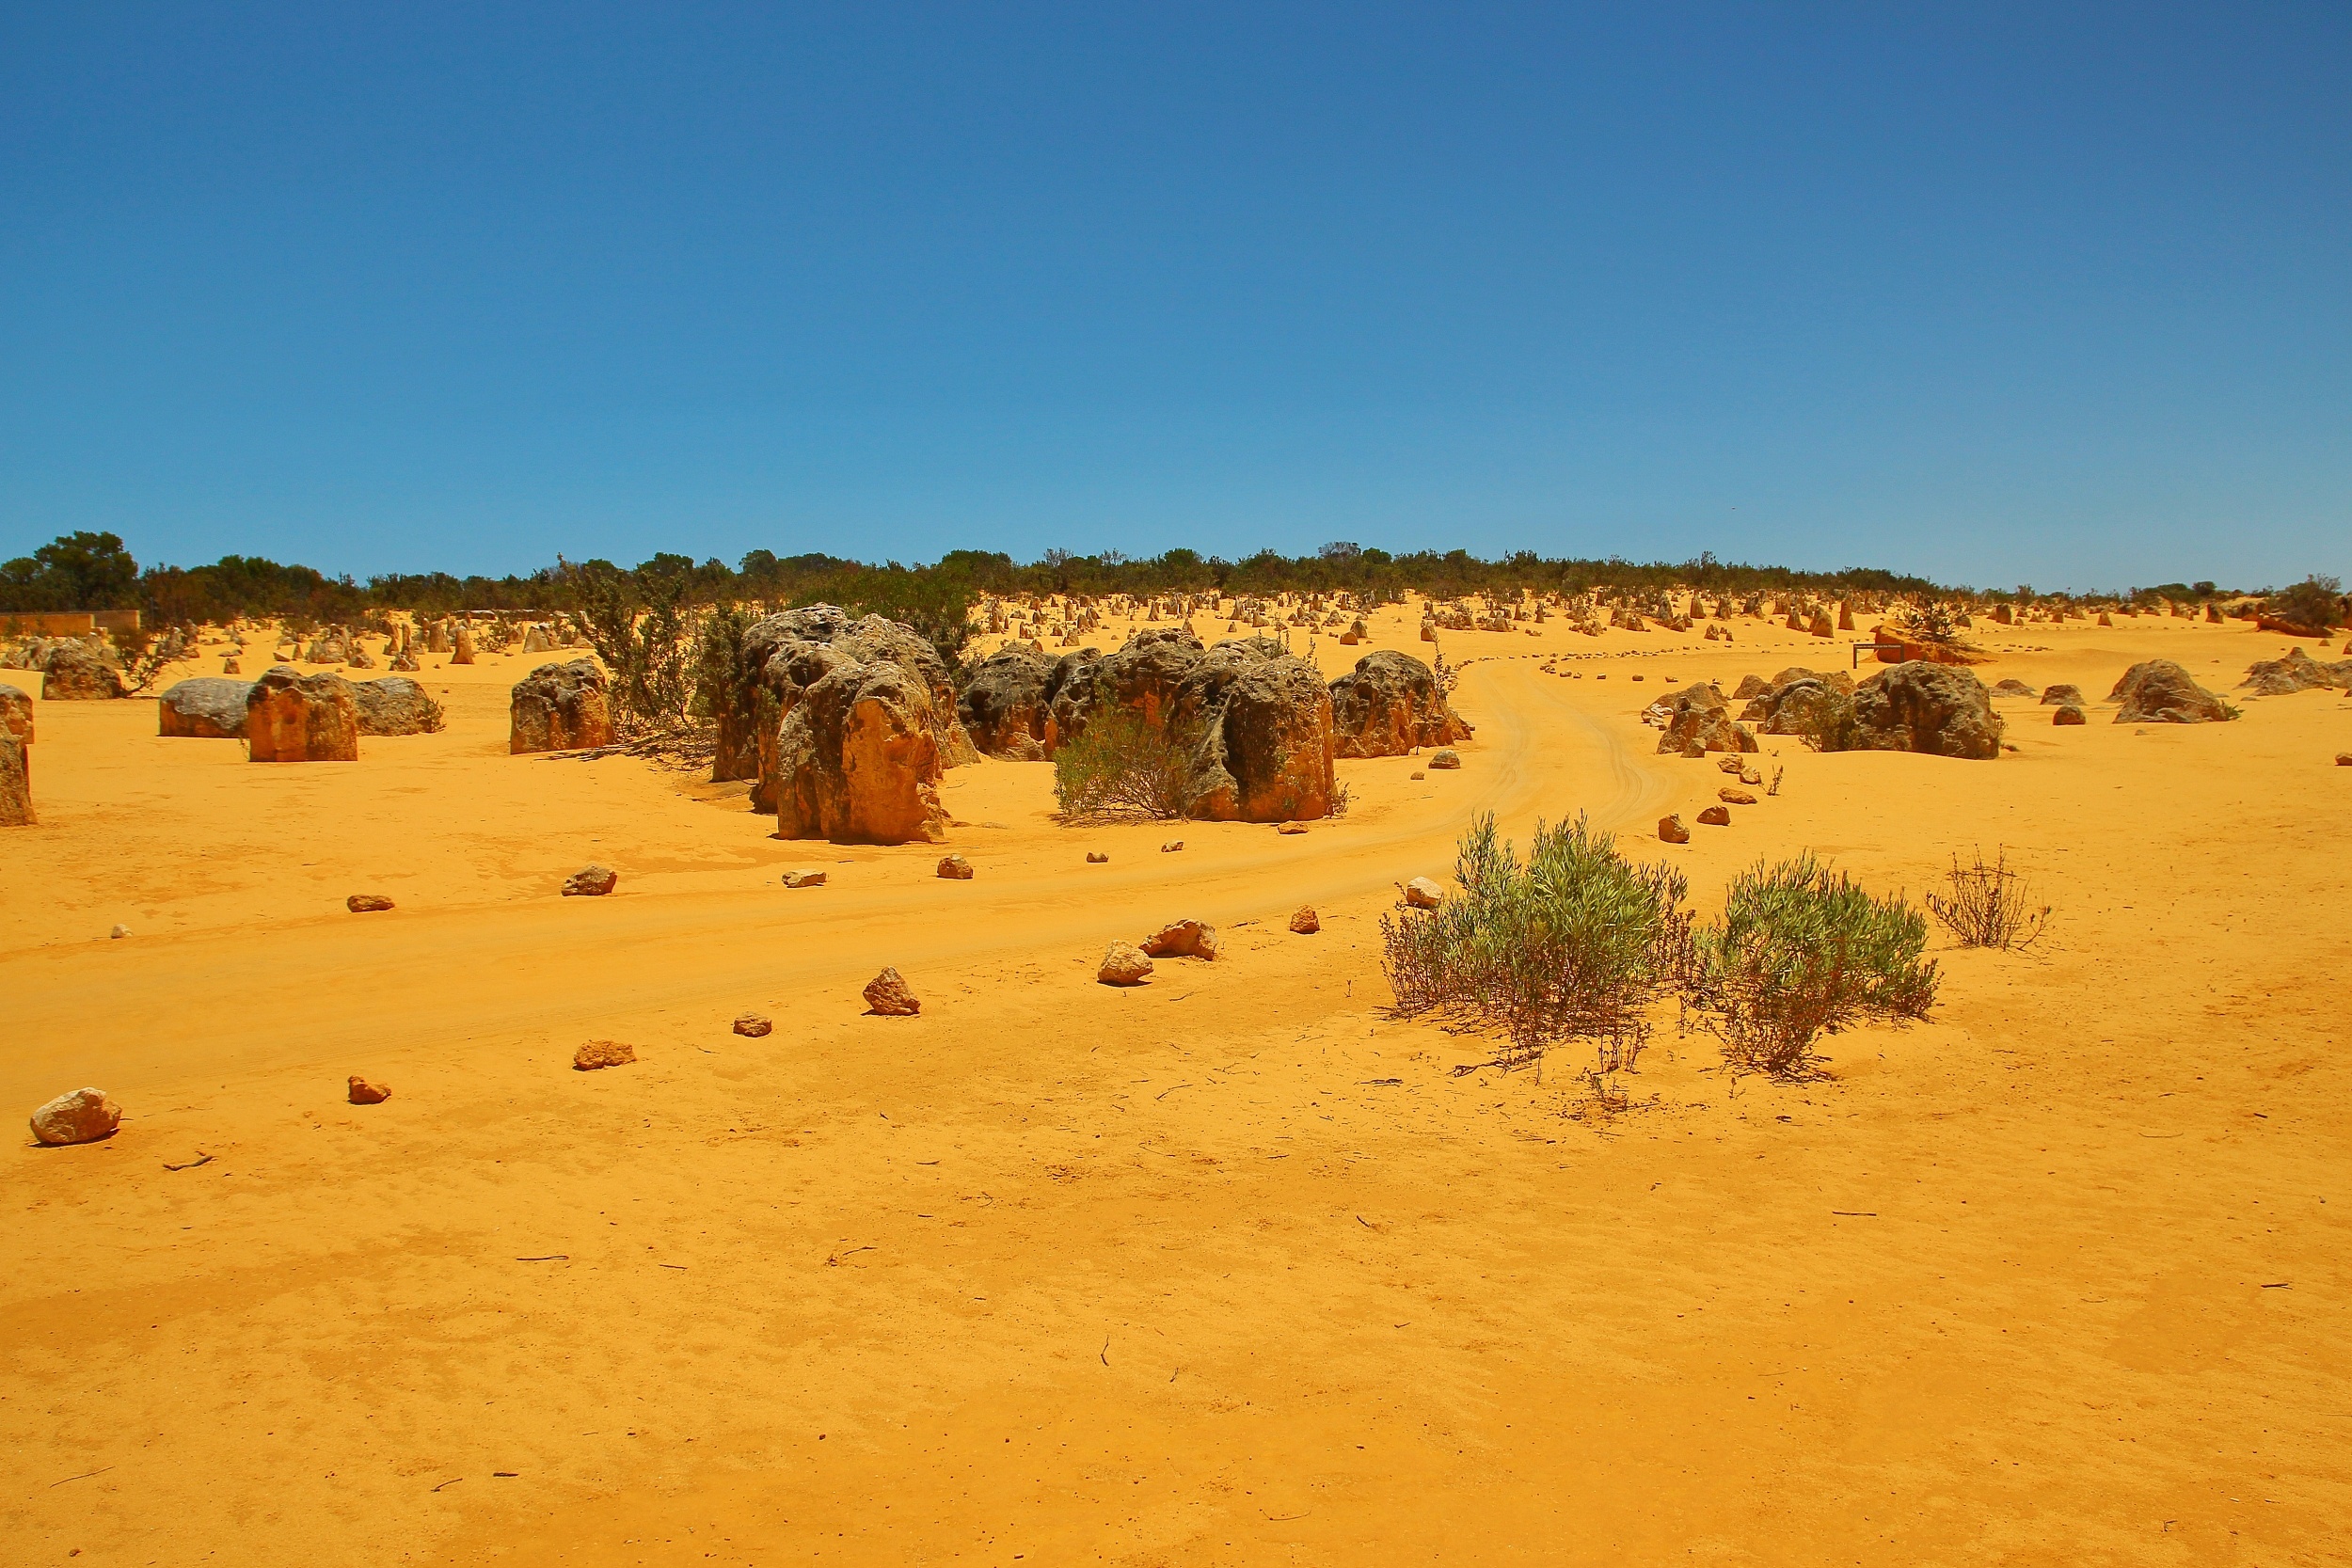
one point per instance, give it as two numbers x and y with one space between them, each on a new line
1857 1214
84 1476
202 1159
550 1258
1106 1350
834 1262
452 1482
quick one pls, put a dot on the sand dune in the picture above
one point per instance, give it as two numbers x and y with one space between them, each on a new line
1227 1268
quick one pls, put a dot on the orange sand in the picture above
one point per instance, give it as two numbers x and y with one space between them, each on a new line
1228 1269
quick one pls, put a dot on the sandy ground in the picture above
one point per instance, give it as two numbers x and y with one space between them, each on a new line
1228 1269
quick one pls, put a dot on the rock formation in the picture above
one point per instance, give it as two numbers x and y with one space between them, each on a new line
2158 692
367 903
81 1116
1389 706
1940 709
2067 713
206 708
16 759
291 717
590 881
887 994
364 1091
1007 706
1306 922
603 1054
559 707
1699 720
77 671
2054 695
1123 964
1182 939
395 706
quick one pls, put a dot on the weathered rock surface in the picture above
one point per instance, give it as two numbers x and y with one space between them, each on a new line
1699 720
590 881
1095 856
2298 671
366 1091
1671 830
1801 703
1445 761
207 707
1123 964
603 1054
887 995
1716 816
81 1116
291 717
395 706
955 868
559 707
76 671
2054 695
2158 692
1182 939
1006 707
753 1024
16 759
2068 713
803 878
1940 709
1731 797
367 903
2011 686
1389 706
1306 922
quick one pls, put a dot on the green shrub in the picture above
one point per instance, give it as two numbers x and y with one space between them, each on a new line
1576 943
1802 951
1120 766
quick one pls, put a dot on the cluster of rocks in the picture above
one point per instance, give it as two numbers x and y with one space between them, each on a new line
302 717
2298 671
1939 709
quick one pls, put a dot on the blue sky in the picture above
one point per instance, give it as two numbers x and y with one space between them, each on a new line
2051 294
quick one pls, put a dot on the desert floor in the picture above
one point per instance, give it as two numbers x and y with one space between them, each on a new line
1227 1269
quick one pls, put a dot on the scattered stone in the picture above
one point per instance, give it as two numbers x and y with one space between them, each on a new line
1731 797
119 932
1182 939
1123 964
2069 714
557 707
2160 691
1096 857
1306 922
753 1024
590 881
1716 816
1423 894
1418 774
366 1092
803 878
1445 759
955 868
2054 695
204 708
602 1054
367 903
1670 828
887 995
2012 687
1171 847
82 1116
1291 828
291 717
2344 759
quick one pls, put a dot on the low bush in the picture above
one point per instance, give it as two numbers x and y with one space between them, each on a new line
1576 943
1990 905
1802 951
1120 766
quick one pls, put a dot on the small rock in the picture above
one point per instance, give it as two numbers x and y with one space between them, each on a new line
119 932
1182 939
1171 845
1445 758
1123 964
1731 797
2344 759
1751 776
886 994
1418 774
2069 714
590 881
753 1025
1096 857
83 1116
367 903
1729 763
1670 828
366 1092
955 868
601 1053
803 878
1423 894
1291 828
1306 922
1716 816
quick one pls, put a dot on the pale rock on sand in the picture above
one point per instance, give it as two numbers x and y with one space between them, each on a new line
1731 797
590 881
887 995
2160 691
291 717
602 1054
367 903
118 933
1290 828
1423 894
1671 830
1182 939
753 1024
559 707
1123 964
803 878
1445 761
84 1116
78 673
366 1091
207 707
955 868
1171 847
395 706
1306 922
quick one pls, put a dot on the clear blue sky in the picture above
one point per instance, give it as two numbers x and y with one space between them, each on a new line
2037 292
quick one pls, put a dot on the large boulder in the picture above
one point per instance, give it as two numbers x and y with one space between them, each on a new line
1389 706
291 717
1941 709
2160 691
787 655
1265 745
1697 720
559 707
1802 705
1005 707
857 759
1141 679
395 706
16 759
2298 671
77 671
206 708
79 1116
